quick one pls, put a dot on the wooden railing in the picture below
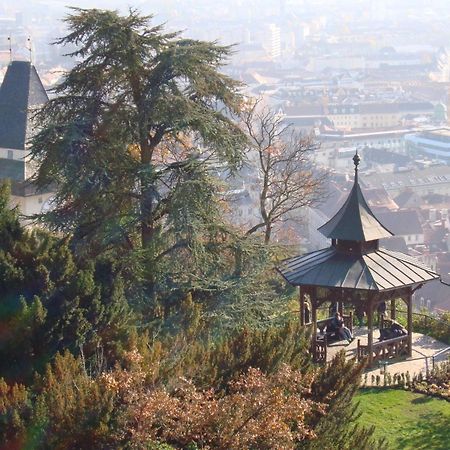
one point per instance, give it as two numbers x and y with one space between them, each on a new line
320 342
384 350
319 350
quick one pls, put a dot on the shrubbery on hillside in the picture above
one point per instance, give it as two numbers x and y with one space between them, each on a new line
68 407
437 327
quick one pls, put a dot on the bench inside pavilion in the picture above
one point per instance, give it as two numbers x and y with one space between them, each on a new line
355 271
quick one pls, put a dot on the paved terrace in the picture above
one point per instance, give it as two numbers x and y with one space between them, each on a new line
423 347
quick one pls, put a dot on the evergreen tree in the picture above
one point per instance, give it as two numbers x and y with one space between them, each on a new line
50 301
131 131
336 385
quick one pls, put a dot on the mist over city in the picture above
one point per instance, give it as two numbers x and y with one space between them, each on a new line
225 225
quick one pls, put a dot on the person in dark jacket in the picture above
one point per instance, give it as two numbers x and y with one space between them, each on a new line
343 331
307 312
398 329
395 330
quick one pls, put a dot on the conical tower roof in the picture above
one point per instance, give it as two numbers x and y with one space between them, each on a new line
21 91
355 221
345 265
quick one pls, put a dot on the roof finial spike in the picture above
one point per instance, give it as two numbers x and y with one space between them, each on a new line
356 161
10 48
30 49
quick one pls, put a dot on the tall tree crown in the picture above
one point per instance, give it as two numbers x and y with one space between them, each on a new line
138 107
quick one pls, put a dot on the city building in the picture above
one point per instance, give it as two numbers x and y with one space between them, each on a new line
422 182
391 139
363 116
434 144
272 41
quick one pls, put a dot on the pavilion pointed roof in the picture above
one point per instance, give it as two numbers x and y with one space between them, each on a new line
358 264
355 221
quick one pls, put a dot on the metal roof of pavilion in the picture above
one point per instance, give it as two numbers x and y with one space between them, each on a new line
378 270
355 221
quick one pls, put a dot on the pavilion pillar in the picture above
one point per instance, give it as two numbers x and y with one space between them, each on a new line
314 323
302 305
410 310
340 306
370 326
393 312
314 314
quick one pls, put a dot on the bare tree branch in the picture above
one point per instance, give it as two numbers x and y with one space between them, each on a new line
284 158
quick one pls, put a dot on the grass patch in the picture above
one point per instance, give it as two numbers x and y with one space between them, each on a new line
405 419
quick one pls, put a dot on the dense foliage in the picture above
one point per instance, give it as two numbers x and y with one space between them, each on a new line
142 319
436 382
50 301
67 407
437 327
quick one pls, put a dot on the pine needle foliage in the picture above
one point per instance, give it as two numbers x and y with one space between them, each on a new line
50 301
336 385
128 123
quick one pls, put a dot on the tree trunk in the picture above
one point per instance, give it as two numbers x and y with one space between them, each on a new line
238 262
147 223
267 233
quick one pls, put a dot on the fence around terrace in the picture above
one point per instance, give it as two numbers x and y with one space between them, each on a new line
422 323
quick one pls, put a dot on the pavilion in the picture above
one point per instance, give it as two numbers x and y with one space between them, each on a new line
354 270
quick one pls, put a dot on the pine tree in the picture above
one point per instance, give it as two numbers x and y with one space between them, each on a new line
336 385
130 132
50 301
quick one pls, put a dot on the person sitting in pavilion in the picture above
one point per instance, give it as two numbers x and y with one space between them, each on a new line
398 329
342 331
395 330
307 312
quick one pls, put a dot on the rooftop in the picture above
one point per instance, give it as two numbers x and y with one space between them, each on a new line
440 132
317 109
402 222
355 221
354 260
345 135
379 270
434 175
20 91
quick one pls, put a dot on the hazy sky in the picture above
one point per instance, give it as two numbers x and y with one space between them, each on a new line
229 21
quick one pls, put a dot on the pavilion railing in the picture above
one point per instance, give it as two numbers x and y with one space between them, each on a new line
384 350
320 341
319 350
436 326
